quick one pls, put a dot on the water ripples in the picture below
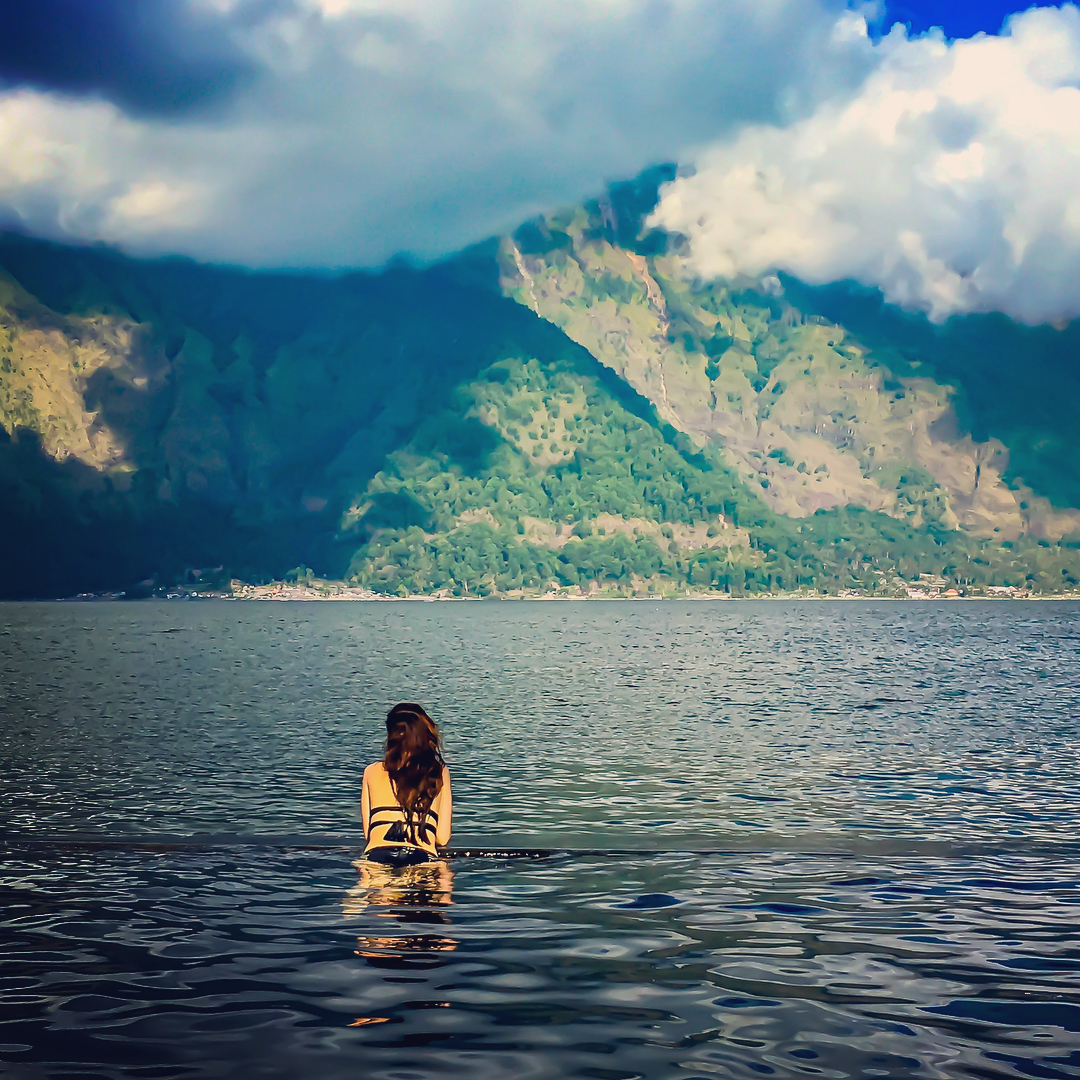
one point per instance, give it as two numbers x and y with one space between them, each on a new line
841 842
249 963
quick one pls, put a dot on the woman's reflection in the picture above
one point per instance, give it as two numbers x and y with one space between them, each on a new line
409 895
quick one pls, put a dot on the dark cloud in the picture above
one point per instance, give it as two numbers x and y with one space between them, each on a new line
373 128
148 56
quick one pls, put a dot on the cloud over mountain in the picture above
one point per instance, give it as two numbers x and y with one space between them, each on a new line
333 133
951 179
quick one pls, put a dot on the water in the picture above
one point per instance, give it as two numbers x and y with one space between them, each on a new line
830 839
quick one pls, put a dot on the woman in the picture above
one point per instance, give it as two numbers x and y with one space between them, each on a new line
406 797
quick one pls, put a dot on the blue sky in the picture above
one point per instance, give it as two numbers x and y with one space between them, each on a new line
958 18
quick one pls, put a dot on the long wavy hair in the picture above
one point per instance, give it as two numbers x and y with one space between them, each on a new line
414 762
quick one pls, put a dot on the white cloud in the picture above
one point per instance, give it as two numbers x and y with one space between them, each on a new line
374 127
950 179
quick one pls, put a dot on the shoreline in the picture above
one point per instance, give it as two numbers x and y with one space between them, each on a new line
338 591
306 594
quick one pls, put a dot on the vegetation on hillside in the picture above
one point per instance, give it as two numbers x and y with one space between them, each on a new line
1017 384
536 478
612 428
812 415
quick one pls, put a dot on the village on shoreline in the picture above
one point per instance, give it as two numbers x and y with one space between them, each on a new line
926 588
920 591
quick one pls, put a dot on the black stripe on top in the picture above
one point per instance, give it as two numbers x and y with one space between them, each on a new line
399 810
426 827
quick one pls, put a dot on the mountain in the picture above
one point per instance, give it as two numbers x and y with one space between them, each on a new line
815 415
563 408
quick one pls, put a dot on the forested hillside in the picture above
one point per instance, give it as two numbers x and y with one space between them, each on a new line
972 425
563 410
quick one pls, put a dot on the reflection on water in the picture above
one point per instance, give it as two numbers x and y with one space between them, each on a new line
422 886
411 897
856 830
247 963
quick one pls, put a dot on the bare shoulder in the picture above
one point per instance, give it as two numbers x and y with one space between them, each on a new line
373 768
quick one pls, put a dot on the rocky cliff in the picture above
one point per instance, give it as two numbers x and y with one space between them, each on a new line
803 409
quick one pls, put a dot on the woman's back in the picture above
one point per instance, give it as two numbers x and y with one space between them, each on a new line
386 821
406 802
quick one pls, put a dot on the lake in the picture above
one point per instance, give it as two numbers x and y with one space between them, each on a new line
691 839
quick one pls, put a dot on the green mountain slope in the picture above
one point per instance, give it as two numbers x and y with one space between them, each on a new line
816 417
161 416
607 427
563 487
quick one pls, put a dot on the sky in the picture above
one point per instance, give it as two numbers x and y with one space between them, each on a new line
956 18
927 148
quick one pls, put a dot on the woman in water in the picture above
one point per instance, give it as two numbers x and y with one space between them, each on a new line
406 797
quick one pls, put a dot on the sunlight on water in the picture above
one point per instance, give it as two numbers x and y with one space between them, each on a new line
842 841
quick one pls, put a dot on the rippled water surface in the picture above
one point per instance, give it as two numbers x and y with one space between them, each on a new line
834 839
